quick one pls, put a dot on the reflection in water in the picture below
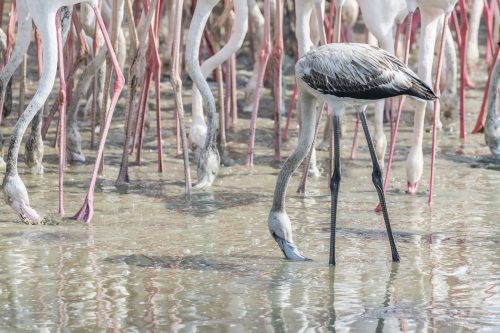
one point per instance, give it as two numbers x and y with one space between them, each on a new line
331 303
389 287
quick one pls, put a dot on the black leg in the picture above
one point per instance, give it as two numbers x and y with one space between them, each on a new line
377 181
334 185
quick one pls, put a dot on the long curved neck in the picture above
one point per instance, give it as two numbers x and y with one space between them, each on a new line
46 25
308 122
200 17
238 33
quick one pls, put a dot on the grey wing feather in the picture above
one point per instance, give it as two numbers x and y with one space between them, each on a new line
355 70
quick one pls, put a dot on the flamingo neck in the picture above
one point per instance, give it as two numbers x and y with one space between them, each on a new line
195 33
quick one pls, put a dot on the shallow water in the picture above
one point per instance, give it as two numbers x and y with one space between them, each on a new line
152 261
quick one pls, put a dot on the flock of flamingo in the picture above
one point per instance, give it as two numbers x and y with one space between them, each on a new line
73 38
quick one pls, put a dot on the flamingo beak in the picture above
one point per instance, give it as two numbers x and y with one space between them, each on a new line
289 249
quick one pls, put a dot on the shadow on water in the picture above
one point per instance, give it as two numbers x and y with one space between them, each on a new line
37 236
483 162
207 203
195 262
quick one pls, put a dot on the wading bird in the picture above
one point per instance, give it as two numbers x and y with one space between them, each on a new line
341 75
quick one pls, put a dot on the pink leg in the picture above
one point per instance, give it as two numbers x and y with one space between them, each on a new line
8 52
123 176
489 31
175 79
290 111
416 23
178 134
263 58
62 115
159 138
143 110
221 138
454 19
87 211
48 120
463 67
234 96
479 127
436 105
10 31
137 119
154 56
93 120
277 77
1 13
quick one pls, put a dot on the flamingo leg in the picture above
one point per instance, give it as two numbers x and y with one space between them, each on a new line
277 77
263 59
335 186
87 211
175 80
436 105
62 115
482 115
377 181
233 94
464 78
117 17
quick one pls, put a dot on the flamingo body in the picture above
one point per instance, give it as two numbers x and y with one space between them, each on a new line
357 74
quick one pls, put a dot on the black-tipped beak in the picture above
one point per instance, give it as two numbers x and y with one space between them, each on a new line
289 249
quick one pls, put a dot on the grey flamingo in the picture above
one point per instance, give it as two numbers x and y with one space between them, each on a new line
341 75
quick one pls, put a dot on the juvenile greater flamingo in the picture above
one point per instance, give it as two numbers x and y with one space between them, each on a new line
341 75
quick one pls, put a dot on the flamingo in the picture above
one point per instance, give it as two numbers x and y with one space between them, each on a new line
341 75
43 14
